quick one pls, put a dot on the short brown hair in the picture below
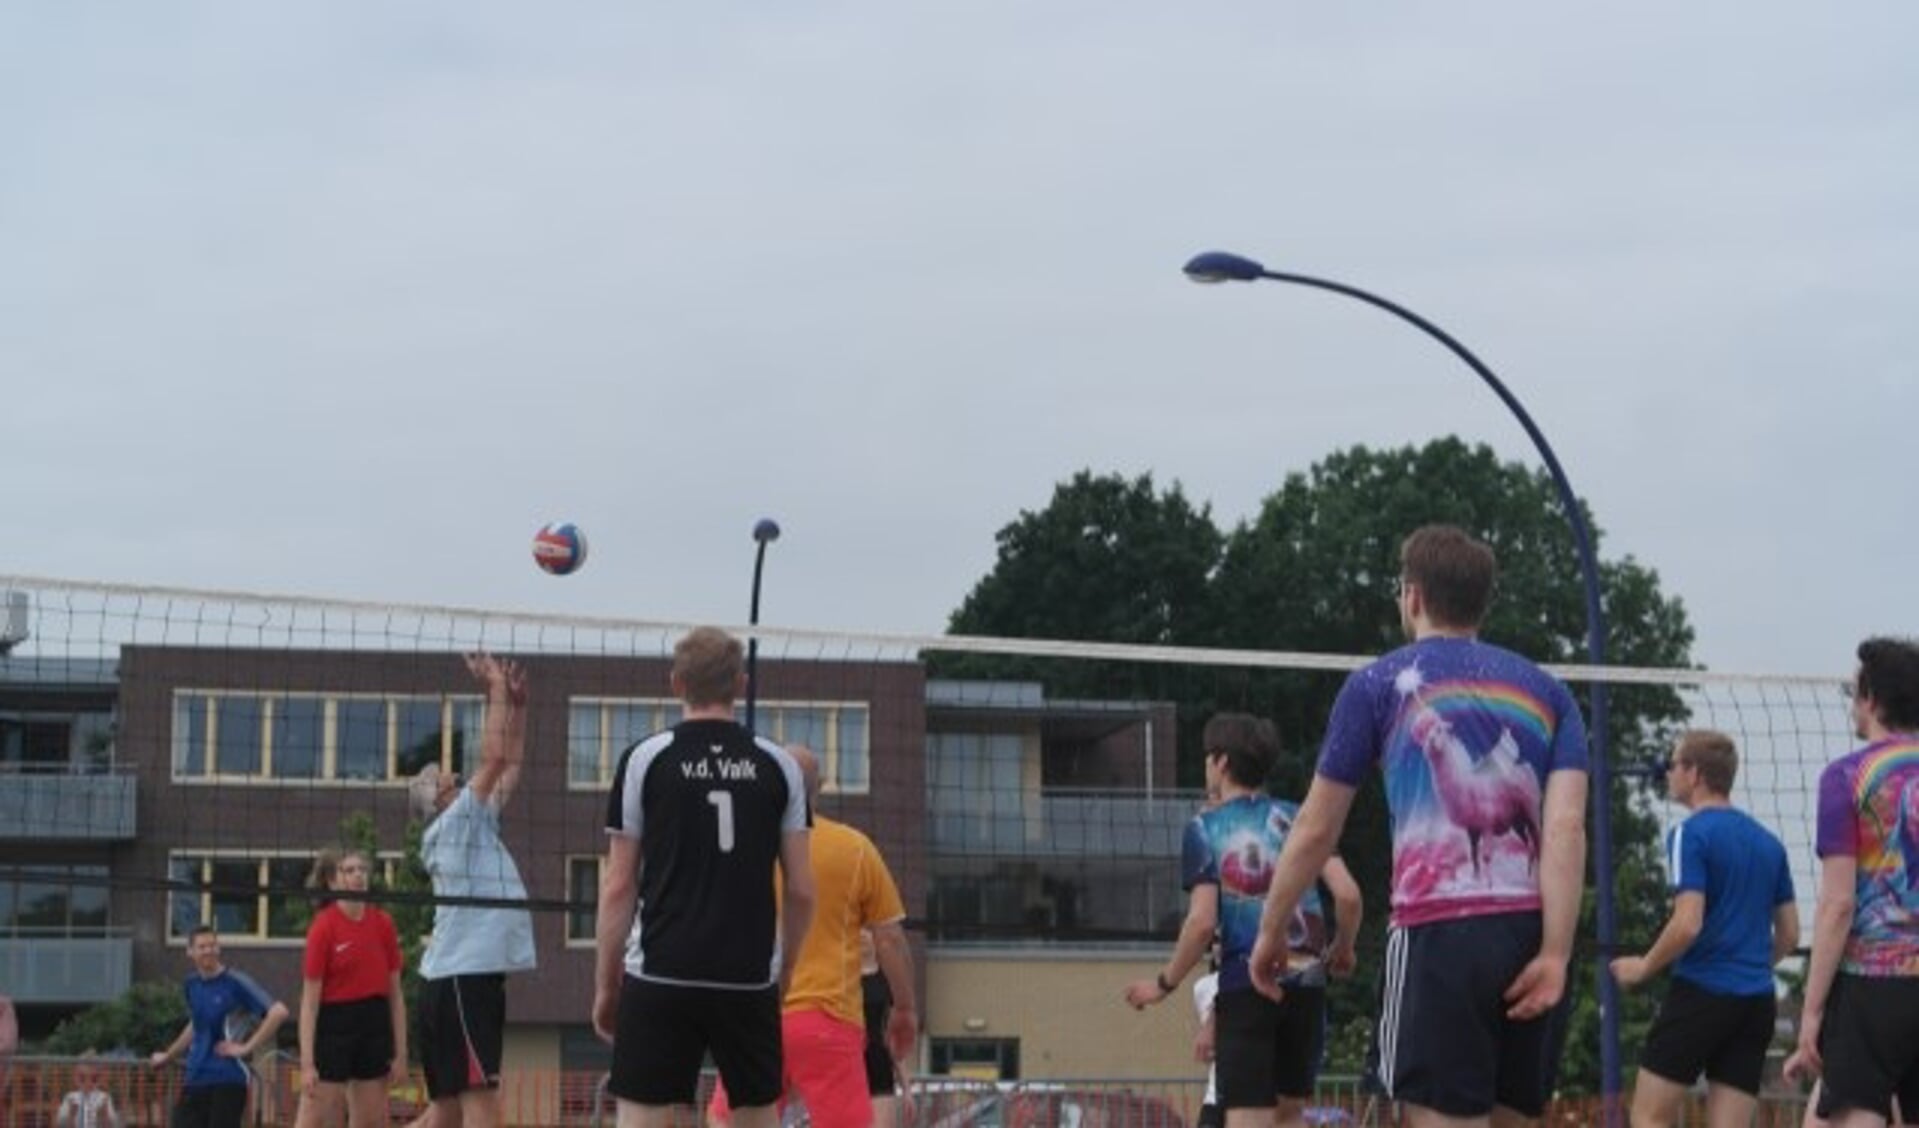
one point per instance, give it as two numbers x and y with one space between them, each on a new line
1711 754
1250 745
708 664
1453 571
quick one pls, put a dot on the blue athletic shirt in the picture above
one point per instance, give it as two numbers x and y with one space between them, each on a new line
209 1001
1235 846
1741 868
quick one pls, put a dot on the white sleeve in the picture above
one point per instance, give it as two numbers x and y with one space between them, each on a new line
795 816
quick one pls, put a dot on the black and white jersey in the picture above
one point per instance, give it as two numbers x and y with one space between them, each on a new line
709 803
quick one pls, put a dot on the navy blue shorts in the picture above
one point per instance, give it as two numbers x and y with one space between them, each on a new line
1444 1041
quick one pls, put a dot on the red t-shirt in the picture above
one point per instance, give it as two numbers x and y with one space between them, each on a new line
352 959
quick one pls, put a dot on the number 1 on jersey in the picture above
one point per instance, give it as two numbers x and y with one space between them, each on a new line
723 803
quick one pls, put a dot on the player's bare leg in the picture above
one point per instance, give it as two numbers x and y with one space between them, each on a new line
1657 1101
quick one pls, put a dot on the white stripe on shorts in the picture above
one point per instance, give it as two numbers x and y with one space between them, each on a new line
1393 997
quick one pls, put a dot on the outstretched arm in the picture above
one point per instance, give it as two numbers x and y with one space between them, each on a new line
1682 928
1195 935
1348 909
796 901
174 1048
896 962
1785 931
503 745
619 893
1831 925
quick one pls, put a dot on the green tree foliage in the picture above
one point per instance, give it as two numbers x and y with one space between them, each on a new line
1112 560
1108 560
147 1017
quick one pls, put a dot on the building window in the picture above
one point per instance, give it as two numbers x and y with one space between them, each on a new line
56 742
44 901
600 730
583 896
234 735
248 897
984 1059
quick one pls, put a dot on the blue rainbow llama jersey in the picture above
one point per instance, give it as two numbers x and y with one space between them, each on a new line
1235 846
1466 734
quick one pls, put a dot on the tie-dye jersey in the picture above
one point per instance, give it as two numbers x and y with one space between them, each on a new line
1235 846
1869 810
1467 734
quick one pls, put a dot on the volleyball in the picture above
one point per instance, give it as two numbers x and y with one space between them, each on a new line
559 548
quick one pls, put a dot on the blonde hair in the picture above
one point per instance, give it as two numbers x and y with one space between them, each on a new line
708 665
1713 755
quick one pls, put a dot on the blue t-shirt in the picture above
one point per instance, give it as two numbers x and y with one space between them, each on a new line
1466 734
209 1001
1236 846
463 853
1741 868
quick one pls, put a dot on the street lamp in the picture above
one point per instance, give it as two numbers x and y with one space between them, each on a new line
1219 266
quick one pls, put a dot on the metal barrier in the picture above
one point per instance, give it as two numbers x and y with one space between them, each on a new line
144 1098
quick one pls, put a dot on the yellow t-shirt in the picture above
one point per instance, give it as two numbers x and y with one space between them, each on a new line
852 890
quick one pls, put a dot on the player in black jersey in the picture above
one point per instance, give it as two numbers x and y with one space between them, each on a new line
696 819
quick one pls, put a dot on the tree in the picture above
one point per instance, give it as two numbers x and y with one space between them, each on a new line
148 1016
1315 571
1112 560
1108 560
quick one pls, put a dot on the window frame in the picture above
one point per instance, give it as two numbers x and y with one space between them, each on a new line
771 723
261 936
453 708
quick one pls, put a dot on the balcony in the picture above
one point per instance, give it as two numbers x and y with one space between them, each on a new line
1060 823
66 967
66 806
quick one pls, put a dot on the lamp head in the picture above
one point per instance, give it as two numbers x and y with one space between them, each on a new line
766 530
1221 266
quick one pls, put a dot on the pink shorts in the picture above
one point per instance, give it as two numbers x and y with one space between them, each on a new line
825 1066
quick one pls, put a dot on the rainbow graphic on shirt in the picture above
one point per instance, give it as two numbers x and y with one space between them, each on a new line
1465 792
1883 786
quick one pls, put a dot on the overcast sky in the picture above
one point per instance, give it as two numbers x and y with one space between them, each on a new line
349 299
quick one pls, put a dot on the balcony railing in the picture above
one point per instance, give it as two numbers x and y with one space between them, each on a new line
68 806
66 966
1061 823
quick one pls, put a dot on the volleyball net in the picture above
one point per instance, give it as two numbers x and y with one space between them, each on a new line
170 757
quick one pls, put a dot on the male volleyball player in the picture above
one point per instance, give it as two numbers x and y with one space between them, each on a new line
215 1094
1733 918
697 817
1484 757
1266 1051
1860 1024
823 1022
473 948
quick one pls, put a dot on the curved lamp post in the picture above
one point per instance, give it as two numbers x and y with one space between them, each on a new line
1218 266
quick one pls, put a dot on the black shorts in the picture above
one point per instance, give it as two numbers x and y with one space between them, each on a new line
1723 1036
1263 1050
664 1032
462 1030
1870 1043
353 1041
1443 1040
210 1106
1210 1116
878 1006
